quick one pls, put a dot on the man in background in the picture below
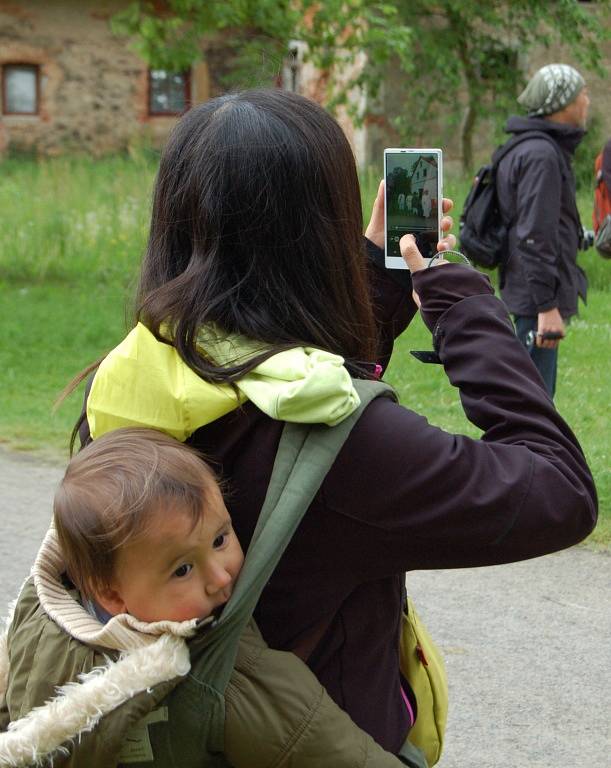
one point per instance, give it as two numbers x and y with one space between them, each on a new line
536 192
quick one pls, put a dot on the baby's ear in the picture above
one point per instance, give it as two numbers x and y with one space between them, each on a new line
111 601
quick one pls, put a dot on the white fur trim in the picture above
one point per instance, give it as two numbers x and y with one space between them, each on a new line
4 665
79 706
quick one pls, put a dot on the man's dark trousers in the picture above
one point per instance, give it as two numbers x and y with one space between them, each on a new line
546 360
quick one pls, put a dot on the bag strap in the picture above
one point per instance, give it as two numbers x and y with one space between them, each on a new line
503 150
305 455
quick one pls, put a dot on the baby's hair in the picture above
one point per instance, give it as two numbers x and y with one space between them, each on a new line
111 492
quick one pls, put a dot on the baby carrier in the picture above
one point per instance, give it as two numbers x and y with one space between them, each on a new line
181 723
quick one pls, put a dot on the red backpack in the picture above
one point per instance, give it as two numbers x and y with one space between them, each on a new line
601 216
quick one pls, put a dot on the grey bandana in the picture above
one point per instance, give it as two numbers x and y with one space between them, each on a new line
551 89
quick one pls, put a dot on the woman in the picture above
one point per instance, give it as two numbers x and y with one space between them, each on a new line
256 233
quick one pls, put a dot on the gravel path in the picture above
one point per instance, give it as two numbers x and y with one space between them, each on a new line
527 646
26 494
528 654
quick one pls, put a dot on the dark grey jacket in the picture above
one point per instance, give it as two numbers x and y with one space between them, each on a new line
536 190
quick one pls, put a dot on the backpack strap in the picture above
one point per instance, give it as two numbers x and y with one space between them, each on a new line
305 455
504 149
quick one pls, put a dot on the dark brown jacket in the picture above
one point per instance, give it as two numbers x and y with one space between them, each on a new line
405 495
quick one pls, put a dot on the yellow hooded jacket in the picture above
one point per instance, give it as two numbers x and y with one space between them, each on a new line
144 382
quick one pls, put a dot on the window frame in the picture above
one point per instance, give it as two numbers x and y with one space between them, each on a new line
187 92
22 65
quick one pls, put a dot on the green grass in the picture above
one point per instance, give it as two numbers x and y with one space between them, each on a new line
71 236
50 332
70 219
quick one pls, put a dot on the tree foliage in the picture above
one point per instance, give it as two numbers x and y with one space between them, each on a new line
458 57
172 35
471 53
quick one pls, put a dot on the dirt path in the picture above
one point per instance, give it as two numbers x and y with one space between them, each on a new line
527 646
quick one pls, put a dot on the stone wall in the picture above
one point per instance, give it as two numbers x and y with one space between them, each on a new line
93 88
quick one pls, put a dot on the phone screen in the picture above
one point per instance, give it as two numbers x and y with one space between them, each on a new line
413 200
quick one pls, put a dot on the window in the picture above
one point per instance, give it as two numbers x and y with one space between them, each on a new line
20 89
292 69
169 92
499 62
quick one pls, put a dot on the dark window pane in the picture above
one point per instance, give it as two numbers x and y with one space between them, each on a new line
20 88
168 92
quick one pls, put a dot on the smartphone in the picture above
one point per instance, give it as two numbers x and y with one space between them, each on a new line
412 201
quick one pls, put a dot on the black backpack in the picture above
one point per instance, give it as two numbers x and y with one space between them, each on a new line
483 228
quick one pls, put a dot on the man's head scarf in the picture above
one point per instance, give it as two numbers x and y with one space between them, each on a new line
551 89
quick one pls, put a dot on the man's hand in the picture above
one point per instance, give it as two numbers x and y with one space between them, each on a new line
549 322
375 228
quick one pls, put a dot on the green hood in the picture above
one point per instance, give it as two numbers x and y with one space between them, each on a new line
145 382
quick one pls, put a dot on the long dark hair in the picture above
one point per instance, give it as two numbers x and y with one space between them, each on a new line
257 227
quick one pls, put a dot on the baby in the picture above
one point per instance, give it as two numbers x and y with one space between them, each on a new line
144 531
142 552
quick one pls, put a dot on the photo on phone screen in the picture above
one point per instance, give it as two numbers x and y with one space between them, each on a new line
413 198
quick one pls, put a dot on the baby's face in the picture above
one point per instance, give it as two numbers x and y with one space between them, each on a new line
178 572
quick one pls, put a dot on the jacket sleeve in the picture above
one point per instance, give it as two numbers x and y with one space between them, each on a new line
538 192
278 714
424 498
393 304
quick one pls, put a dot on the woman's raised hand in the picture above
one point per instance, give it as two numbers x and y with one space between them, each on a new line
375 228
414 260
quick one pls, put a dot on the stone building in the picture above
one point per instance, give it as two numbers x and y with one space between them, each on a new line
70 85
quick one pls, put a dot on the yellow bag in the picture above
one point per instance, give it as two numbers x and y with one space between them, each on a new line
422 665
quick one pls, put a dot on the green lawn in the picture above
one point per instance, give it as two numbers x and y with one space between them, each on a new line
71 235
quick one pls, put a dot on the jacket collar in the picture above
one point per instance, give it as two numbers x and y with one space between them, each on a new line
78 706
121 633
568 137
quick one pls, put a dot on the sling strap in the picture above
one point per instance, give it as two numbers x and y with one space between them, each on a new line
305 455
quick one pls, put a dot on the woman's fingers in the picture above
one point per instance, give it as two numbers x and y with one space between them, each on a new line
447 205
447 243
375 228
447 222
411 254
413 259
